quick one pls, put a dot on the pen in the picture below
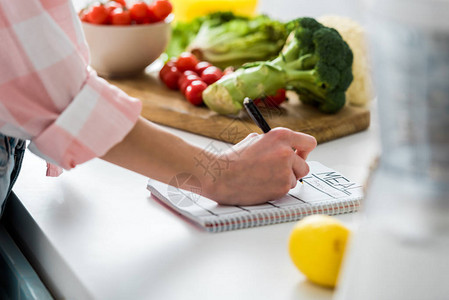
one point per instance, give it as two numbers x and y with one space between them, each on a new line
257 117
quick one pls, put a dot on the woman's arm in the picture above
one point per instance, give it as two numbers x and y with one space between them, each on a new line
48 94
260 168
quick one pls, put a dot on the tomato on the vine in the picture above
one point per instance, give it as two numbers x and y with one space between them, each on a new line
186 61
97 14
194 92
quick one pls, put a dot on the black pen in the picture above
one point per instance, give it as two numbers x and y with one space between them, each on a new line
257 117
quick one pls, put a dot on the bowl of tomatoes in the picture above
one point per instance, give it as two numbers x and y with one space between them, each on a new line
124 38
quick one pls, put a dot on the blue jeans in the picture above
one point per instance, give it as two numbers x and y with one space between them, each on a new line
11 155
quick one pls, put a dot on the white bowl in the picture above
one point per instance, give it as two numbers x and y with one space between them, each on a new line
119 51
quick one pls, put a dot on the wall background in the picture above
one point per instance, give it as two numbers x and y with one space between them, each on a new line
290 9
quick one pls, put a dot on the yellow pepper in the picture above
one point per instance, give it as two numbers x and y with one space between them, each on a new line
186 10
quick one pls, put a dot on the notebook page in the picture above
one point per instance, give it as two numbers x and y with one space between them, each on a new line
189 203
322 184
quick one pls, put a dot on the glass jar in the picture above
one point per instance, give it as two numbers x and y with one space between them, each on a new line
401 248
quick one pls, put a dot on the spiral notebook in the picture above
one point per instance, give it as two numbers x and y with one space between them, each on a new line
323 191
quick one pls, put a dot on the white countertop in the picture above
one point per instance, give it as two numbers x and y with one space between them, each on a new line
95 232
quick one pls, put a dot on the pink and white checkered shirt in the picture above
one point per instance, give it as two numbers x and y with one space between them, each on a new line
48 94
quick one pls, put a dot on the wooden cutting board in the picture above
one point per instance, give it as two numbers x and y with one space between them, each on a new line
170 108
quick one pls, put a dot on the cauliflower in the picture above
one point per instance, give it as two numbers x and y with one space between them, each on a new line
360 91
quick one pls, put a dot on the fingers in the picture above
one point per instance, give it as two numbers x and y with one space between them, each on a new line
293 181
303 143
274 151
300 167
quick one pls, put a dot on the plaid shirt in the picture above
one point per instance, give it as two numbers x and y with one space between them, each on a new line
48 94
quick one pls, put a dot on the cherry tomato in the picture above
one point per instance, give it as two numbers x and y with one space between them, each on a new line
189 72
171 77
194 92
121 2
228 70
139 11
201 66
166 68
120 16
83 15
146 20
111 6
186 61
277 99
151 17
185 81
211 74
97 14
274 100
184 75
161 9
84 18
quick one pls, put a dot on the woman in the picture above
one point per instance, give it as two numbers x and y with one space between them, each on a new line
49 96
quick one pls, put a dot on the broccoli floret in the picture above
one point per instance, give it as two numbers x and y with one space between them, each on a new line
316 63
322 69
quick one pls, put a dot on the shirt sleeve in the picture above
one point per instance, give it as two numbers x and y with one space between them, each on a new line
48 93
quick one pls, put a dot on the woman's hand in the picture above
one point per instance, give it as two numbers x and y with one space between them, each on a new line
262 167
258 169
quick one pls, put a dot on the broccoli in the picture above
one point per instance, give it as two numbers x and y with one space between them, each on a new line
316 63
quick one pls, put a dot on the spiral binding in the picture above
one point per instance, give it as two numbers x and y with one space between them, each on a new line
278 215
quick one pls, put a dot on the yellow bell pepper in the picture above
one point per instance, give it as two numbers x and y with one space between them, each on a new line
186 10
